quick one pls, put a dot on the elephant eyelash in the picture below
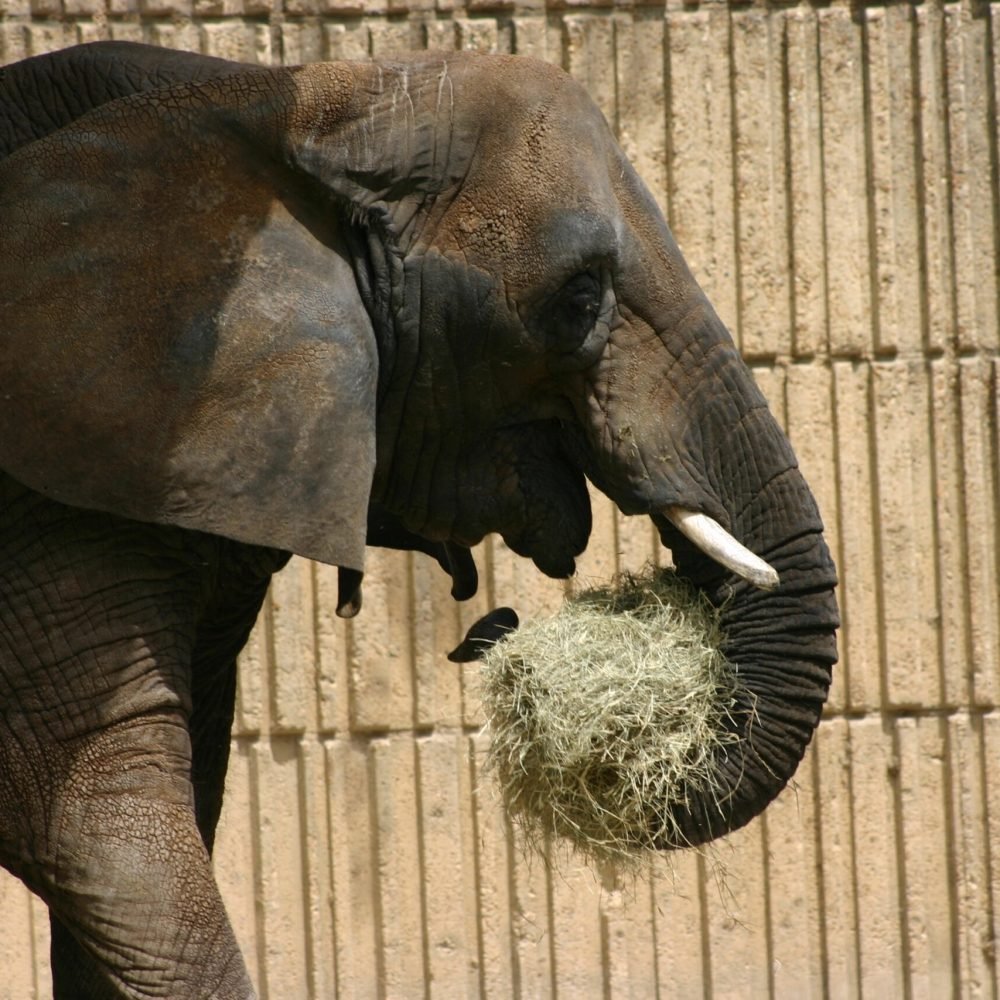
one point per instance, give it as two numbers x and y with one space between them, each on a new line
572 313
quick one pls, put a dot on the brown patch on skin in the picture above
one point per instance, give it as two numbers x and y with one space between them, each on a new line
325 96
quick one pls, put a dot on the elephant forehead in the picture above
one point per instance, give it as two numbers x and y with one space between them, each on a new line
528 213
542 148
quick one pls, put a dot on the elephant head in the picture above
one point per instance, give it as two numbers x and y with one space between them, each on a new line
257 305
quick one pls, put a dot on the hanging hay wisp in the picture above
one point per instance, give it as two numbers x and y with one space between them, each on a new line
606 715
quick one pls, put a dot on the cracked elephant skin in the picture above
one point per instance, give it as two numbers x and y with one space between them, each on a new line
249 312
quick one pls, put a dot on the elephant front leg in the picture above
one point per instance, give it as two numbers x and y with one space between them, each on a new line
135 909
223 631
105 832
103 828
97 808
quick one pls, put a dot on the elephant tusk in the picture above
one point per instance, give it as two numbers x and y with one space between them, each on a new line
717 543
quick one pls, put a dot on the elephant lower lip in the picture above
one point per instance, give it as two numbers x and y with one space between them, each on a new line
554 557
715 542
557 569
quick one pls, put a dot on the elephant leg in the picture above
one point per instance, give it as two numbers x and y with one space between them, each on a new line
244 576
214 698
211 723
128 879
97 808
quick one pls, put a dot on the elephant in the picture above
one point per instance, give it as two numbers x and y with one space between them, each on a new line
247 312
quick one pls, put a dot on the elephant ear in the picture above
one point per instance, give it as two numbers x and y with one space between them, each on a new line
181 335
46 92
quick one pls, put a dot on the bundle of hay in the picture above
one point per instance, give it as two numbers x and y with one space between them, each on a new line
605 716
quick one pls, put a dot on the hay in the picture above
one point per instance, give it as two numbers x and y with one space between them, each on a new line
609 714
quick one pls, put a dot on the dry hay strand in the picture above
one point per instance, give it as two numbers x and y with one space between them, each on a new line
608 715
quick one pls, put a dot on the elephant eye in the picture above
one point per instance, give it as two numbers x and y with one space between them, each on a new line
574 311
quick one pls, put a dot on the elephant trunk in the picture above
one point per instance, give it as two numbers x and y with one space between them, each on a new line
782 644
739 468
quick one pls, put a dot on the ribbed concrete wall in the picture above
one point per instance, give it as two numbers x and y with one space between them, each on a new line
832 173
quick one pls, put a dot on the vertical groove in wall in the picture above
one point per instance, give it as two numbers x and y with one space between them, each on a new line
733 316
904 903
992 456
832 173
258 931
865 18
991 753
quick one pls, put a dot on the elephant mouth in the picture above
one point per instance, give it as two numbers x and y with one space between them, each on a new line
539 504
698 528
527 482
555 524
519 482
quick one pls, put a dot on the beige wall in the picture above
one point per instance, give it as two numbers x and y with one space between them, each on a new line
832 174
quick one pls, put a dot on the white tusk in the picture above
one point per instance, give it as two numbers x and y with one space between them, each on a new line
717 543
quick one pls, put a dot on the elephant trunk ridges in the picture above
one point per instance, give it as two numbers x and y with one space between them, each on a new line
784 674
781 642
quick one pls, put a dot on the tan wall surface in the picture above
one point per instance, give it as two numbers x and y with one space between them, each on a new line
831 172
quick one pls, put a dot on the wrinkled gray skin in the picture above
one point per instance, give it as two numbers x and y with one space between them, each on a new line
281 310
